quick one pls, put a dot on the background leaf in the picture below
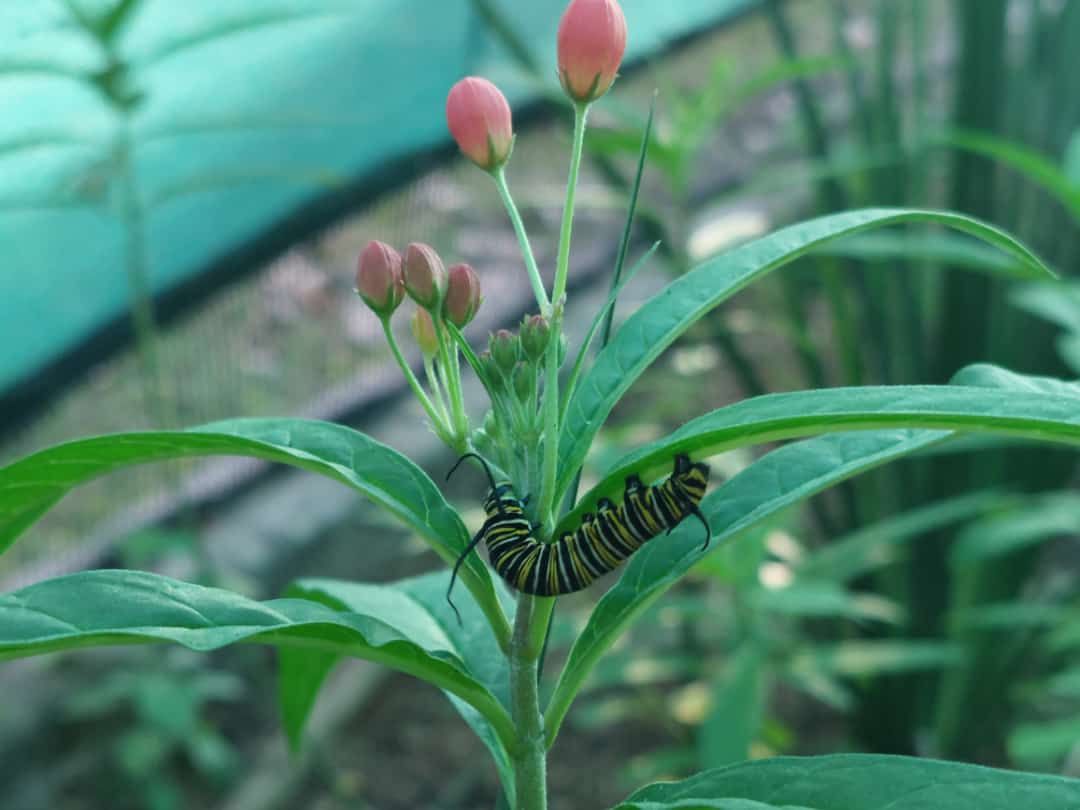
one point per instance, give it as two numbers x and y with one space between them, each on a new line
861 782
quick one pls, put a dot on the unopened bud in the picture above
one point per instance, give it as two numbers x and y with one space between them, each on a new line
491 425
591 43
423 330
425 276
505 350
491 370
524 381
462 295
535 336
478 116
379 278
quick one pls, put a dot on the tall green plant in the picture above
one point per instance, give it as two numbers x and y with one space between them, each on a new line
485 651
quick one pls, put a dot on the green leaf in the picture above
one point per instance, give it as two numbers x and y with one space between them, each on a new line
1040 519
993 401
1032 164
101 608
950 249
860 782
734 721
878 544
419 602
826 600
31 486
856 659
774 482
1042 744
1056 302
1010 616
1070 165
659 322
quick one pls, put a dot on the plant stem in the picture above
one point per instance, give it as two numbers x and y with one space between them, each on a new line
547 507
448 359
562 267
530 762
436 419
523 239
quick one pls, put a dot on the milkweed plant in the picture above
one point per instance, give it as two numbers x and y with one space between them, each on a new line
649 516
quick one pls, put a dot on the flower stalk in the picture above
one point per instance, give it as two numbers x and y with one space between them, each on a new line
537 283
548 503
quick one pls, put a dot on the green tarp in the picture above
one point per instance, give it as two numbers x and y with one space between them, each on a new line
248 121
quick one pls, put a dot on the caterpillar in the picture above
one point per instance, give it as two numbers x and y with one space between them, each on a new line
597 546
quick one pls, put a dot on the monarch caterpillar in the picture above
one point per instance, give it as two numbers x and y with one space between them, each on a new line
597 546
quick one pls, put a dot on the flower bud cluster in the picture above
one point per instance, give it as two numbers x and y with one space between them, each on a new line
512 369
443 297
384 277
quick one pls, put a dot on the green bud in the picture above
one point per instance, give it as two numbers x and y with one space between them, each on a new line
491 370
524 381
535 335
505 349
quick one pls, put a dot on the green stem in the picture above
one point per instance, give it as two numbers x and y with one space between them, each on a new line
562 267
523 239
530 762
546 511
143 320
434 382
452 374
436 419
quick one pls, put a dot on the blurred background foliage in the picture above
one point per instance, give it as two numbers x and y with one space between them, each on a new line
183 194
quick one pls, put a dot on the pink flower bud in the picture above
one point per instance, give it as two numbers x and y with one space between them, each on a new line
479 119
425 276
378 278
592 40
462 295
423 330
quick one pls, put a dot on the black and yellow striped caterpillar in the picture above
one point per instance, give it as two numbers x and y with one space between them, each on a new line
598 545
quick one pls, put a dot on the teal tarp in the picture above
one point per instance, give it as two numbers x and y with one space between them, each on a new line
248 111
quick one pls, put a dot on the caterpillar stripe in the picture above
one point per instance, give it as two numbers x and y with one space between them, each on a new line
598 545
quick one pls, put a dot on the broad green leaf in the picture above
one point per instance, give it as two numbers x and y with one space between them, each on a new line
878 544
734 720
417 602
774 482
659 322
101 608
860 782
1022 408
31 486
1040 519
